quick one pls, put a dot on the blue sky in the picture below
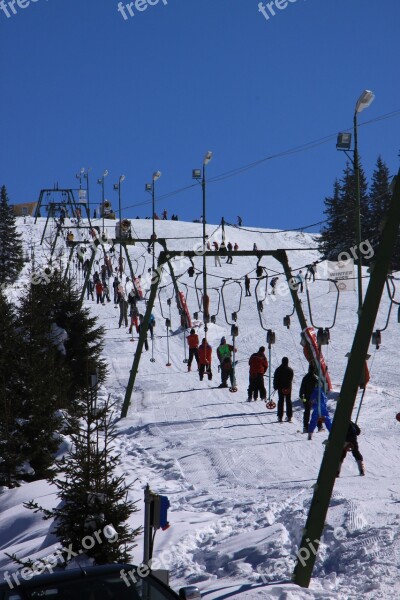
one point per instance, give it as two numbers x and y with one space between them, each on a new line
82 87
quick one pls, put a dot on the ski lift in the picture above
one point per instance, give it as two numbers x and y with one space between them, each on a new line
376 339
286 319
260 303
234 327
323 336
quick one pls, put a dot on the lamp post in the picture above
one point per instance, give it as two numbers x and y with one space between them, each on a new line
344 143
150 187
117 186
101 182
201 174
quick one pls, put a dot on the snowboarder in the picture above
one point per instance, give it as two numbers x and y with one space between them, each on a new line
205 358
283 378
351 444
193 343
247 285
258 366
320 411
308 383
224 353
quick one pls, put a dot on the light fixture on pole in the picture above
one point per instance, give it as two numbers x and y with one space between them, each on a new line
150 187
198 174
344 144
101 182
117 187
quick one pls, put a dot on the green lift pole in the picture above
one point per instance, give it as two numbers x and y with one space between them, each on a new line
313 530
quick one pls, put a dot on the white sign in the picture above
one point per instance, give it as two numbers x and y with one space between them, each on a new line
342 272
82 195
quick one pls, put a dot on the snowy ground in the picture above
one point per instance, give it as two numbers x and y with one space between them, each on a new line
239 483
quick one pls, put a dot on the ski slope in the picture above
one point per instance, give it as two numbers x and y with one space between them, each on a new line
240 483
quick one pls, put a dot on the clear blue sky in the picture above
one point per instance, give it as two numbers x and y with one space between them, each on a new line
82 87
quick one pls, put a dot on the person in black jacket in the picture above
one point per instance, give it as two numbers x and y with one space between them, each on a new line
308 383
351 444
283 378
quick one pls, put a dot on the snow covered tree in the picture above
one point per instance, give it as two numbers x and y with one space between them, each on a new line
11 438
94 503
11 255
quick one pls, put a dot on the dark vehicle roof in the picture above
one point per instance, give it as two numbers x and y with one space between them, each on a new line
88 574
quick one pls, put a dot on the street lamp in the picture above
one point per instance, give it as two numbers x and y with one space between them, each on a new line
201 174
117 187
344 143
150 187
101 182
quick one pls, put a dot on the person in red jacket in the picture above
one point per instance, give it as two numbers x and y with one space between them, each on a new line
99 292
258 366
193 343
205 357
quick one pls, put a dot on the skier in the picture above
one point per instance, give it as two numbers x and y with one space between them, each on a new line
300 280
236 247
320 411
273 283
216 257
164 215
240 221
115 288
311 271
247 285
193 343
308 383
255 247
89 289
152 324
134 315
258 366
351 444
230 258
99 292
283 378
123 311
141 319
224 353
205 358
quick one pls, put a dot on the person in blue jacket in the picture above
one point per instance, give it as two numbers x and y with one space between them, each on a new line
318 401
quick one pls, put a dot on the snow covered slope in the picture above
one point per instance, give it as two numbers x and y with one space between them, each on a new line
240 483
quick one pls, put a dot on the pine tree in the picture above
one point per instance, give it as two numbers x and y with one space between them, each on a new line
340 233
11 256
379 200
11 438
92 495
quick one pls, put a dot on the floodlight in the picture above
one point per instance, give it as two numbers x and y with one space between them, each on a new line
343 141
196 174
148 187
156 175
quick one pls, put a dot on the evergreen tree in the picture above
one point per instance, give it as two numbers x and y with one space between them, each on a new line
11 438
11 256
379 199
92 495
340 233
